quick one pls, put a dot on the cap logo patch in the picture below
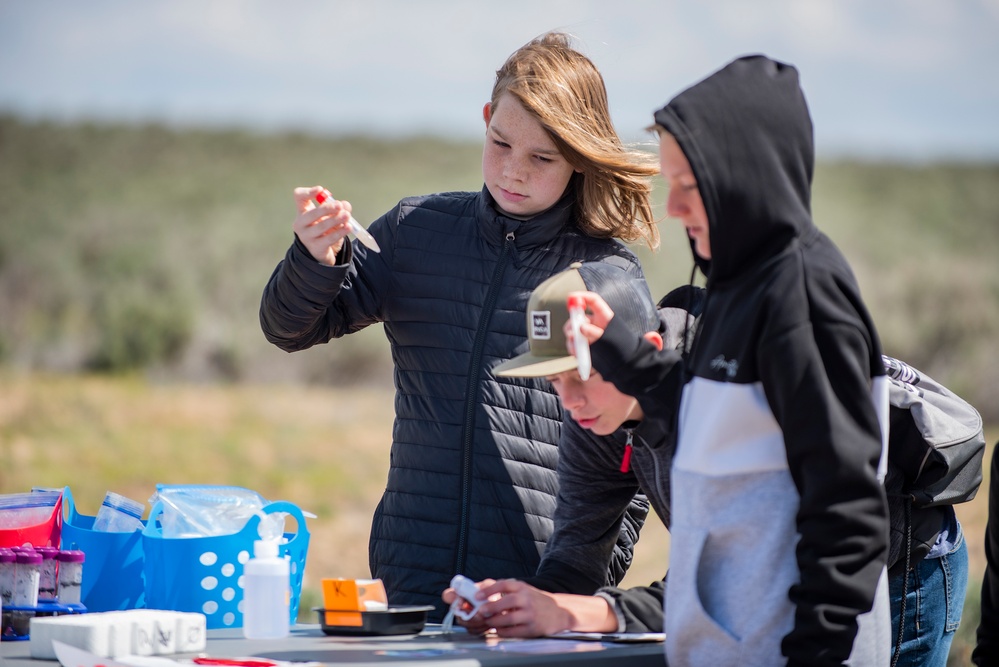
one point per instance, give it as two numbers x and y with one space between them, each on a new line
541 324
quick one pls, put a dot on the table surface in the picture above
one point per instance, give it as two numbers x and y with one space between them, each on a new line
307 643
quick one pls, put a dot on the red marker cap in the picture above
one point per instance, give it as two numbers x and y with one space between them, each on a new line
575 302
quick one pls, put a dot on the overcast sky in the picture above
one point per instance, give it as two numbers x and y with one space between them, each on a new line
884 78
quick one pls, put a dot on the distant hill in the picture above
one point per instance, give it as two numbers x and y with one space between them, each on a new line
129 248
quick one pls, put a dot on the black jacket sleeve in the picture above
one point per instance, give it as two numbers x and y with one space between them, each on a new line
987 651
306 303
641 608
588 547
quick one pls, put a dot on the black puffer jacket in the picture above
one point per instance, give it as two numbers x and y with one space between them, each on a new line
471 487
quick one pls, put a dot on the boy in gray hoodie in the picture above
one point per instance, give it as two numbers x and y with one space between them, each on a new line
783 401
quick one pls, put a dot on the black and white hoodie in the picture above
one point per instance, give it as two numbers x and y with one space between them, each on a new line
779 531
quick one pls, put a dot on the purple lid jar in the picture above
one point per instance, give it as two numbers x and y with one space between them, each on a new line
7 569
70 575
48 575
26 577
71 556
28 557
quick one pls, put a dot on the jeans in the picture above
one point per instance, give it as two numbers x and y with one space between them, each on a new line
933 606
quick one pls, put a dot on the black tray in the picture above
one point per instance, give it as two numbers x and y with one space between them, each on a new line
391 621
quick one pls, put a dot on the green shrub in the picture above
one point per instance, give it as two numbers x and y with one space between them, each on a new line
139 328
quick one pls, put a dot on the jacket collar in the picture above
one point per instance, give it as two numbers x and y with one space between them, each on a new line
535 231
652 432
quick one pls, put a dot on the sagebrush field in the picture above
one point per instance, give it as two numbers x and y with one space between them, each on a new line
144 248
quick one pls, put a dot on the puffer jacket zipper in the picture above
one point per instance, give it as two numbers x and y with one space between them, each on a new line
628 443
471 399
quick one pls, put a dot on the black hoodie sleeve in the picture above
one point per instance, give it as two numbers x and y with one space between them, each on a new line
640 608
638 369
817 381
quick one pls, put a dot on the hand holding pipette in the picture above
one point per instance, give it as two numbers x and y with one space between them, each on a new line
360 232
322 224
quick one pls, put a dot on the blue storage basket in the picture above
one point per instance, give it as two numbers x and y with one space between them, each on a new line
205 574
112 571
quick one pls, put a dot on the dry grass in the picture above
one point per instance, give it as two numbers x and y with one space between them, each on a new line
325 450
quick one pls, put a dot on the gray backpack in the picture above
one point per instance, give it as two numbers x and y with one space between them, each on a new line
936 440
935 449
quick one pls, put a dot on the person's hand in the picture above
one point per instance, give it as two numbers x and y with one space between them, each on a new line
477 624
516 609
598 316
321 228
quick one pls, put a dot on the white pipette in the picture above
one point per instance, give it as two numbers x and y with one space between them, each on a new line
360 232
577 315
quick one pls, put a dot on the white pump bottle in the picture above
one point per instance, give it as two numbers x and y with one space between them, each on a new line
266 589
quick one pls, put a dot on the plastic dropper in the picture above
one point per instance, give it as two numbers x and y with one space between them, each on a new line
577 315
360 232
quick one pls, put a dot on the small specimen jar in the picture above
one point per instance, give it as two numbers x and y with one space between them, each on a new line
8 566
26 575
70 575
48 574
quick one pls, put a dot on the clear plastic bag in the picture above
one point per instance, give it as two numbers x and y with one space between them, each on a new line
190 510
20 510
119 514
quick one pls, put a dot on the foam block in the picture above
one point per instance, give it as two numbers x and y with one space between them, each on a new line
114 634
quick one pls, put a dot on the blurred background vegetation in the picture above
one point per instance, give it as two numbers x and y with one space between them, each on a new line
127 248
132 259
